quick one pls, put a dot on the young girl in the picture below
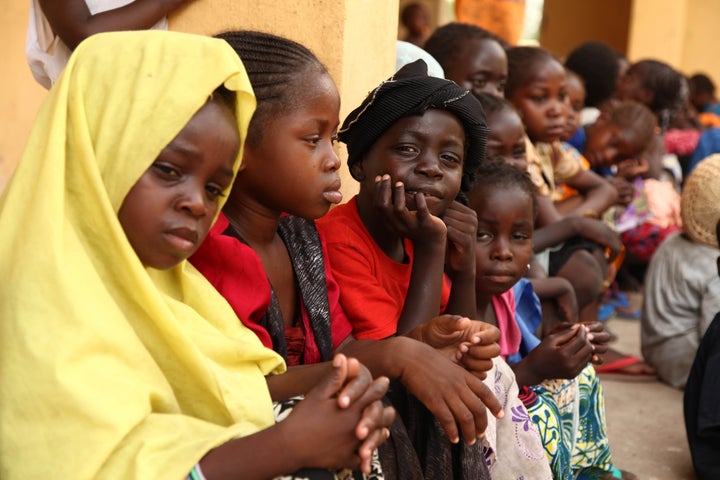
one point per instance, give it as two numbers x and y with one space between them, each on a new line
130 365
387 249
560 389
536 87
272 267
470 56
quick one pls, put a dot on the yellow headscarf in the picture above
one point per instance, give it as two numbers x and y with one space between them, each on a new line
109 369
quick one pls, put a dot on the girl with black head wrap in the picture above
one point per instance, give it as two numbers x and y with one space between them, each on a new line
414 144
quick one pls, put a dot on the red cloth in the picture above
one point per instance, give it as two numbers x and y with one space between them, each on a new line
510 334
372 286
237 272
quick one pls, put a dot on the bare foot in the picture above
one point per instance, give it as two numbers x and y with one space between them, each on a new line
625 476
614 361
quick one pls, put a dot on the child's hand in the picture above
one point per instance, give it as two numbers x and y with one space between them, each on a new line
335 437
599 338
418 225
625 189
563 353
455 397
470 343
461 223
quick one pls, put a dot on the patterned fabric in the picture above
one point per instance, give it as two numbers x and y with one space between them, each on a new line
570 415
282 411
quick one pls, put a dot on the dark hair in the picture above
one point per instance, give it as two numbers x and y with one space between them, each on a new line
701 83
665 84
495 174
635 117
445 42
274 65
492 103
597 65
225 97
521 66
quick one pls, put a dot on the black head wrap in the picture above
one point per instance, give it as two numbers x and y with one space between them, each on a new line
411 92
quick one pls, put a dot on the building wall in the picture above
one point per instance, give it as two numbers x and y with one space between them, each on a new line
354 38
568 23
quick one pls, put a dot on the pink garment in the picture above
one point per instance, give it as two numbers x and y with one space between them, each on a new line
510 335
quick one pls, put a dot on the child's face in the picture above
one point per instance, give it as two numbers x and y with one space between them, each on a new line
503 247
480 66
576 98
541 101
294 168
424 152
608 144
169 211
630 87
506 140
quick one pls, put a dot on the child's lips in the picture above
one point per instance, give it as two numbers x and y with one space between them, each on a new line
333 196
182 239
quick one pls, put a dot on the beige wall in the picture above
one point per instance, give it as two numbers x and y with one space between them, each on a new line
354 38
682 33
568 23
20 95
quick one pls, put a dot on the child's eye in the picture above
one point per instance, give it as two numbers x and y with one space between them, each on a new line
521 236
538 98
501 86
166 171
562 96
313 140
451 158
479 82
214 191
483 236
519 153
407 148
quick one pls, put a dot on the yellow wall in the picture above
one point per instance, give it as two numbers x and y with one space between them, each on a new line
354 38
20 95
682 33
568 23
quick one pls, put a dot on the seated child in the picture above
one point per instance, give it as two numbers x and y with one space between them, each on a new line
412 144
272 268
682 289
560 389
583 261
130 365
559 303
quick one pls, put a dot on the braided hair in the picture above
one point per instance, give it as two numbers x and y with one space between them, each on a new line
276 67
496 174
446 41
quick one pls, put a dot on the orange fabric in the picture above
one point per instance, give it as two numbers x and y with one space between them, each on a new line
504 18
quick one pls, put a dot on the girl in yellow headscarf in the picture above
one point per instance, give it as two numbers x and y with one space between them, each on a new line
118 359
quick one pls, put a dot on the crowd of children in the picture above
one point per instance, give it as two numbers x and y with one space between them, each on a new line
207 314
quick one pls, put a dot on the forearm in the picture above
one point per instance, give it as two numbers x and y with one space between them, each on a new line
525 375
555 233
550 287
73 22
597 200
250 458
422 301
462 295
298 380
381 357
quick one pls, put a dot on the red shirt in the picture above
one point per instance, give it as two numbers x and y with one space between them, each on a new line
373 287
237 272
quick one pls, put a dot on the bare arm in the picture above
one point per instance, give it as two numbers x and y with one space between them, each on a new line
73 22
597 192
461 222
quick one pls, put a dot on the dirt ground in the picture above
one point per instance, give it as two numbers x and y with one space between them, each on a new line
645 417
